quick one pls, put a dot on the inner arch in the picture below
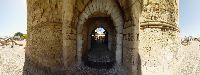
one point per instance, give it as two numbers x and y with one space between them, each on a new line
111 10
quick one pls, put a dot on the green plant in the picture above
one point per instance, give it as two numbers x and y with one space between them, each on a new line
18 34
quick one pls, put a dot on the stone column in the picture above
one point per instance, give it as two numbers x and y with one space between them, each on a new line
159 36
44 29
68 35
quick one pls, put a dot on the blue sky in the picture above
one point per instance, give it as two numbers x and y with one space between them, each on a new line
189 17
13 17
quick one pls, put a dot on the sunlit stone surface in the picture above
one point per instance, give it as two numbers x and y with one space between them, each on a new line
143 37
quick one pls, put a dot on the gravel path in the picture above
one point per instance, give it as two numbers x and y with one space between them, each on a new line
85 70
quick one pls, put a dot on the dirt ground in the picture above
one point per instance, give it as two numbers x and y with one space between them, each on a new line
12 59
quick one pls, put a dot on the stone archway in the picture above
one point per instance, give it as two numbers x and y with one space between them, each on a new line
105 23
110 8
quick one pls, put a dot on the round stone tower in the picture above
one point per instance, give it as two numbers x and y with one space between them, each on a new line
159 36
144 34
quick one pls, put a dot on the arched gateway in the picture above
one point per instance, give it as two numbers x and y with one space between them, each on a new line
108 9
141 35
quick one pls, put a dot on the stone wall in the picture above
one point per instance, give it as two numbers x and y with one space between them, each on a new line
54 30
146 33
69 32
44 43
160 13
159 37
188 59
131 58
158 51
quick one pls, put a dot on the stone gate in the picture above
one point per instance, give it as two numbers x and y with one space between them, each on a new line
143 34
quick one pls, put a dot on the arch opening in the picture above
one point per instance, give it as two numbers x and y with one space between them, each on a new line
111 19
98 42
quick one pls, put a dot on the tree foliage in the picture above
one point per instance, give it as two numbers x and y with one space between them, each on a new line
19 34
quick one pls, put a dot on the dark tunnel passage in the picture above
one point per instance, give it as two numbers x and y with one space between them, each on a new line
99 55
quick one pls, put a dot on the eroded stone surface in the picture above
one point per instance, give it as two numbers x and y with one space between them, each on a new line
144 34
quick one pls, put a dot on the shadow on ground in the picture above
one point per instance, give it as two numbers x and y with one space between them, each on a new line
31 68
